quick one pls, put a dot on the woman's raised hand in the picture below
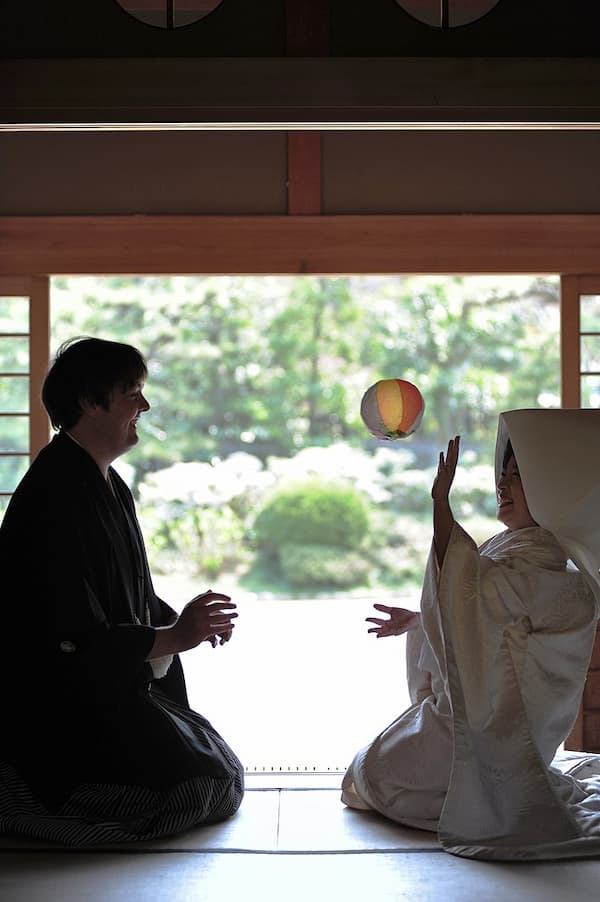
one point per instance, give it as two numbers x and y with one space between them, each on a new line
446 470
399 621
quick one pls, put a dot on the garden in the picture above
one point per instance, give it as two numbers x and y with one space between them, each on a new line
254 465
255 475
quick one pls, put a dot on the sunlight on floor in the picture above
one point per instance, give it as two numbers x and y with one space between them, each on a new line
302 685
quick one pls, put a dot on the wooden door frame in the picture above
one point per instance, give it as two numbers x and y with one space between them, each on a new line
34 248
572 288
568 245
469 244
36 289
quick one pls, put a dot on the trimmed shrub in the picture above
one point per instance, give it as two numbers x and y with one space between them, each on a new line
313 513
323 565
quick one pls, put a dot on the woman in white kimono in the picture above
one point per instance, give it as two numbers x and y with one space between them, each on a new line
497 658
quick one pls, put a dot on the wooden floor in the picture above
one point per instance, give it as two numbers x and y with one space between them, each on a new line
285 845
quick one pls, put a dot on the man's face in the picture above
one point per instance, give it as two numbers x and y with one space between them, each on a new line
512 507
118 424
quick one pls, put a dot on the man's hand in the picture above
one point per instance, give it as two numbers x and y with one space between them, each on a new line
206 618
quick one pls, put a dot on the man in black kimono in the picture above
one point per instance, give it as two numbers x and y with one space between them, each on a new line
98 742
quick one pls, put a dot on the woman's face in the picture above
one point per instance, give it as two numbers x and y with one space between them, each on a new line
512 507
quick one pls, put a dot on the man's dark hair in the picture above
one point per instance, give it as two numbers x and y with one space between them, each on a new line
88 369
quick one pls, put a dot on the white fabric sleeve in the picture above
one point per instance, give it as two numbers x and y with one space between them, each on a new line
160 666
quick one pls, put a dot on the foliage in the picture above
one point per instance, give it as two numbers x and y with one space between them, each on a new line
409 489
323 565
311 513
397 545
313 356
204 341
206 540
201 511
277 366
473 346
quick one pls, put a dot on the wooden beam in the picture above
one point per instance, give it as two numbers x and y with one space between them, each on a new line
307 34
575 741
40 245
570 381
39 357
300 90
304 183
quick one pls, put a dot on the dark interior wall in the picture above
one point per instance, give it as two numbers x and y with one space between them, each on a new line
245 172
298 61
142 172
461 172
251 28
101 28
61 55
512 28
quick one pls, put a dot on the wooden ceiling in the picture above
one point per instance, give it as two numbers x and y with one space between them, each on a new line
259 28
298 62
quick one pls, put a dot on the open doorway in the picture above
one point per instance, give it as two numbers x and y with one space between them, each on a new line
255 385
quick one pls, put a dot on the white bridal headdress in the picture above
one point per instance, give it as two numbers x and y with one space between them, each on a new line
558 453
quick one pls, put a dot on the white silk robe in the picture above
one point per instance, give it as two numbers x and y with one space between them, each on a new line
496 673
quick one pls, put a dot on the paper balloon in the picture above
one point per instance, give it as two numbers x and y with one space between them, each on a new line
392 409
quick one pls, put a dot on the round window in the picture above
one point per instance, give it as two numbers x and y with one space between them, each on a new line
169 13
447 13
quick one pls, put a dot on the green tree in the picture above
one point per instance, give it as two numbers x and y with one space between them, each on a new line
314 348
204 341
274 364
473 348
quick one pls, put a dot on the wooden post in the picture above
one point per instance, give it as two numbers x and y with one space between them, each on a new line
570 385
307 35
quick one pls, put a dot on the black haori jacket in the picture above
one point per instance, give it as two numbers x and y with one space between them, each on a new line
80 701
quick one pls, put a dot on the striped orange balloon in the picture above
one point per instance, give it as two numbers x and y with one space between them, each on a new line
392 409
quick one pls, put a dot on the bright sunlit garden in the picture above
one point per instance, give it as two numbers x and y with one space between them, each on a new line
255 474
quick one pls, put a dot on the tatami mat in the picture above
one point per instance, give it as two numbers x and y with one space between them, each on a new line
318 820
222 877
285 845
275 820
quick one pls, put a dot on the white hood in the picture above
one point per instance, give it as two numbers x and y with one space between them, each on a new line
558 454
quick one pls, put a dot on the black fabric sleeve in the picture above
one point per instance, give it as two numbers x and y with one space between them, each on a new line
66 617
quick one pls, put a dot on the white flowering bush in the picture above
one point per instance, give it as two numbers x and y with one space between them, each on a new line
202 514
